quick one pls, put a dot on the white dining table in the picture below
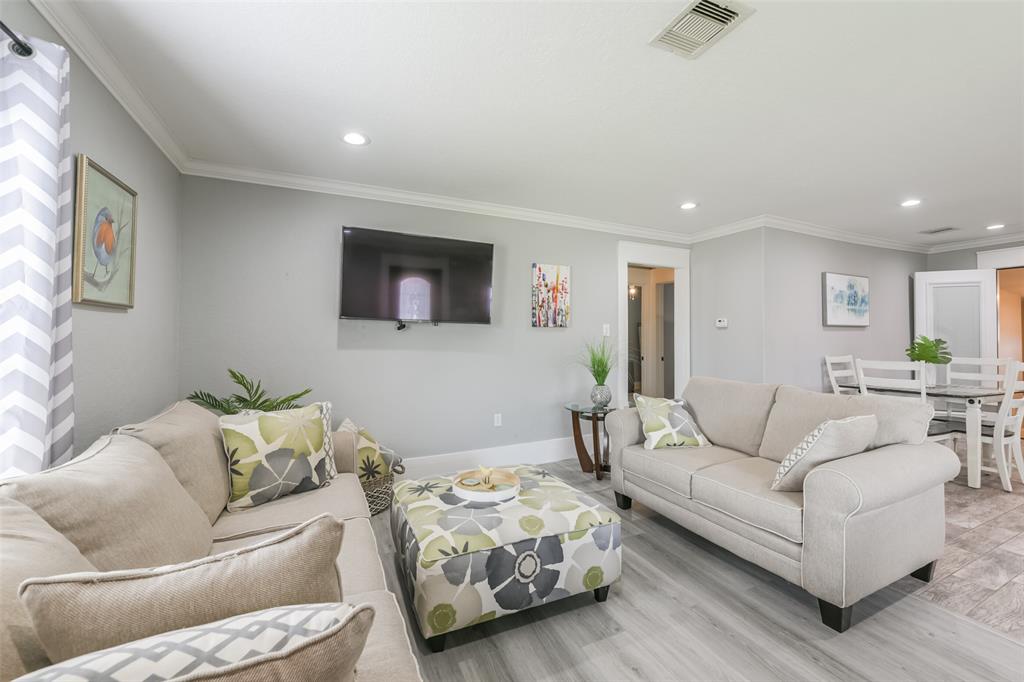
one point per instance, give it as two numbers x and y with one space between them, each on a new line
974 397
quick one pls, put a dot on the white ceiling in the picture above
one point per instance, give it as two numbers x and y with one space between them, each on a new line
829 113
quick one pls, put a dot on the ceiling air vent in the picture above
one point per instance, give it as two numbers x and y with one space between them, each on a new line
939 230
700 26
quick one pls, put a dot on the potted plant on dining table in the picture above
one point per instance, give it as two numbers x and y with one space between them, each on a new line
934 352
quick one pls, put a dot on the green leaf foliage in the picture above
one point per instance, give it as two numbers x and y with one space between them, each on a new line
252 397
932 351
599 360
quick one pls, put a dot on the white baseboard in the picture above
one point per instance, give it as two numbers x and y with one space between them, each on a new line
536 452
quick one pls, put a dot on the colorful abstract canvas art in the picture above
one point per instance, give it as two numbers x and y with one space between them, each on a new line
847 301
550 299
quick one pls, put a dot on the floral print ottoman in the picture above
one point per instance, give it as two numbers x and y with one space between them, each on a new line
465 562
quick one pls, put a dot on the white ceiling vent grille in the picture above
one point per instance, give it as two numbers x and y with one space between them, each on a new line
700 26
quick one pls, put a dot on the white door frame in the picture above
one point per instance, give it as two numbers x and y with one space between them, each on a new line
1000 259
926 282
653 256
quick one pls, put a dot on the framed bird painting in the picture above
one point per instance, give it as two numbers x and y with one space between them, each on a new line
104 262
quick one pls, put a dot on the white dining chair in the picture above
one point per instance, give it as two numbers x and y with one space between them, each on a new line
841 368
1001 431
985 372
878 377
871 382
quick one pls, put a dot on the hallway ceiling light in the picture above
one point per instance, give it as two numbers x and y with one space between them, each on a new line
997 226
910 202
688 206
356 139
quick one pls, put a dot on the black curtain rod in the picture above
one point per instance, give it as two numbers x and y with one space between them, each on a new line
20 47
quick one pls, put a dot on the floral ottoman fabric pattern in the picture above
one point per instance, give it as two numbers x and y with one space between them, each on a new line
469 562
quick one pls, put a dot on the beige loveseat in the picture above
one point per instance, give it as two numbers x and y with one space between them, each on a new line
155 493
859 524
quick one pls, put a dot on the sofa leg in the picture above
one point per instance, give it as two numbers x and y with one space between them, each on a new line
836 617
925 573
623 501
601 593
436 643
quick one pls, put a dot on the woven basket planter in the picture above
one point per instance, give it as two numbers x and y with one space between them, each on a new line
380 490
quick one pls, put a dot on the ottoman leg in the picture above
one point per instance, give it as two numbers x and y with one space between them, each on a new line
601 593
623 501
436 643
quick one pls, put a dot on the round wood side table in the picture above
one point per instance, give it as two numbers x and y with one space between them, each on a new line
598 463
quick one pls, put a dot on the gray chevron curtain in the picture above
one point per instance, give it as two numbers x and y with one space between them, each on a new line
36 187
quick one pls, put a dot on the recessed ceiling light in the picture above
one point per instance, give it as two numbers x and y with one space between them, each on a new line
688 206
910 202
998 226
356 139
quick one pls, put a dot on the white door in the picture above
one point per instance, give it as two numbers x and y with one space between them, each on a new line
960 306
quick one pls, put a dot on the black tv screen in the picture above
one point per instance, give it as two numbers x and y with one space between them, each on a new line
395 276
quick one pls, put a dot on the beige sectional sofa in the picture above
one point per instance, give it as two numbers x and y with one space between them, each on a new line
860 523
155 493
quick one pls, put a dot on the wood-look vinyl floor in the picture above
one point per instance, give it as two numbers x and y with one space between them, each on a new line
687 610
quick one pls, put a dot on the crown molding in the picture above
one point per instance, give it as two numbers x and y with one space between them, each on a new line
980 242
810 229
400 196
72 27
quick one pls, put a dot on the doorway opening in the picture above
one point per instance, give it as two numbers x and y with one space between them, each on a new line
653 347
1010 283
651 330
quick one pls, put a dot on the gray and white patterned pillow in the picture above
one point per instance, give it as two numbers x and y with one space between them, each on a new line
832 439
304 642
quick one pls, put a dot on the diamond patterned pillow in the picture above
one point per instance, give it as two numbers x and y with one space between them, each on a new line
668 424
832 439
305 642
273 454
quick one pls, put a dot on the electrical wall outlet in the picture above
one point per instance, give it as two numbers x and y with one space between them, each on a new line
721 323
497 418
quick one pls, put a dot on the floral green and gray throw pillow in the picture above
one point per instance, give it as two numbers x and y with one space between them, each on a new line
370 461
668 424
273 454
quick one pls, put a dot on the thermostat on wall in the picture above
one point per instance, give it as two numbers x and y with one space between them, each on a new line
721 323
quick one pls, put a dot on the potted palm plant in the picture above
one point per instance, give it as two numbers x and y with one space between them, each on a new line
255 397
934 352
599 360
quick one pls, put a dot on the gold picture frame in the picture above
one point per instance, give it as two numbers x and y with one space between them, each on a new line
105 208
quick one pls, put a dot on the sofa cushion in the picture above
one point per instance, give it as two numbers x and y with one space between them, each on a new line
742 489
29 547
358 561
388 654
343 499
120 504
798 411
668 424
188 438
82 612
667 472
731 414
296 642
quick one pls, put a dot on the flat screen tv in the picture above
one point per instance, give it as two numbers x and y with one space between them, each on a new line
411 278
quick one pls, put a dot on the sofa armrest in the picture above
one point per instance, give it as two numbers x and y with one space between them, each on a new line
878 478
624 429
344 451
872 518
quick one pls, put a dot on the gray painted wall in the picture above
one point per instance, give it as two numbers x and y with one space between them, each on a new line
261 285
125 363
727 281
795 338
767 282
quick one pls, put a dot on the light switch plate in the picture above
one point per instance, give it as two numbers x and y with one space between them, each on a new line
721 323
606 329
